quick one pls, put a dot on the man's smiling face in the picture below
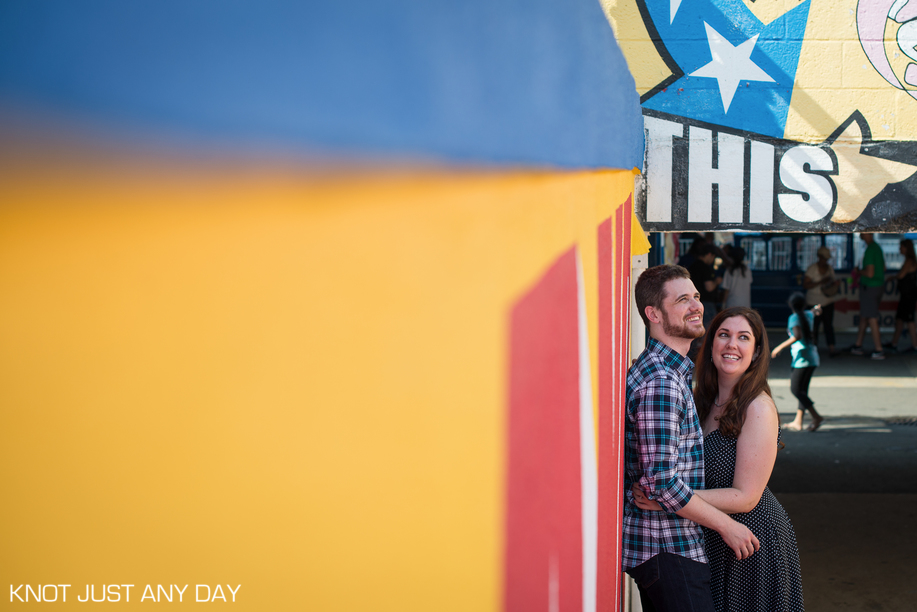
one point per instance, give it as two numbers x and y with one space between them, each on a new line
682 311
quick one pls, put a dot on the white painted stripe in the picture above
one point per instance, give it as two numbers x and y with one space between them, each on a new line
731 159
658 167
588 458
761 176
553 585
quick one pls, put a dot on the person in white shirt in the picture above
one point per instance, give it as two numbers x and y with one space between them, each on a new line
737 281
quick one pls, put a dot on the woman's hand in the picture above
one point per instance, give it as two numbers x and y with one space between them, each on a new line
642 501
775 352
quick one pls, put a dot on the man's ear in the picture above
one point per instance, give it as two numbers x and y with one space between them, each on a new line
652 315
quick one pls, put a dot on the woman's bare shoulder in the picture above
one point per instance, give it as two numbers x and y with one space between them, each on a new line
762 405
761 419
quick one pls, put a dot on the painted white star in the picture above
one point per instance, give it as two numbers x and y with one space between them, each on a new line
730 65
673 8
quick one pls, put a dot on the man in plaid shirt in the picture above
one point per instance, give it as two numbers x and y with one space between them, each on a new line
663 454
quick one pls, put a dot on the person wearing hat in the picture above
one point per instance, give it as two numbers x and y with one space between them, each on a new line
822 288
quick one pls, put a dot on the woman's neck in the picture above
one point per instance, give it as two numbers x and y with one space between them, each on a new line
725 385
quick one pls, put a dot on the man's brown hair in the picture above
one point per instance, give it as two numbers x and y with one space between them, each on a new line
650 288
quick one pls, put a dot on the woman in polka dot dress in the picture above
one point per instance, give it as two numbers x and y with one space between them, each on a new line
741 437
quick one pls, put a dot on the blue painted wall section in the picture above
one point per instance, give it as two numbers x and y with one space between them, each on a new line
534 82
699 90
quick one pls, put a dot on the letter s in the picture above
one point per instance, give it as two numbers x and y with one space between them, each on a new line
819 188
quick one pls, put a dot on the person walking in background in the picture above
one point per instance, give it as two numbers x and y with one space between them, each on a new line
872 279
691 255
907 288
706 281
700 240
805 359
823 288
737 281
704 277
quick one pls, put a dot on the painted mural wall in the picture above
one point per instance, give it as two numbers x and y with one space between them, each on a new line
775 115
314 306
339 397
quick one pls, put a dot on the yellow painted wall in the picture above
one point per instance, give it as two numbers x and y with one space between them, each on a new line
293 384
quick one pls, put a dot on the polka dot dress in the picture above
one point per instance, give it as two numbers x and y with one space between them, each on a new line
769 580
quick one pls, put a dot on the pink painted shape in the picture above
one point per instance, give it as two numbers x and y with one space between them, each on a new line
871 18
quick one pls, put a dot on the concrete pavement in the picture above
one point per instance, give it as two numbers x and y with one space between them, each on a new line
851 487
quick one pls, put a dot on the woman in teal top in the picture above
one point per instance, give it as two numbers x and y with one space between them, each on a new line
805 359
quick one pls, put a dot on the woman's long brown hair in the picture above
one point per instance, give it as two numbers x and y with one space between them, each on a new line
752 383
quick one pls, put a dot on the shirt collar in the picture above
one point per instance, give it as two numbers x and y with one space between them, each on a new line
672 358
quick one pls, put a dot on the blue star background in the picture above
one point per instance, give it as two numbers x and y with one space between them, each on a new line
758 107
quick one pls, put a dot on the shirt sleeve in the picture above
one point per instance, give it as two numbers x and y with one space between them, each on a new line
658 423
792 322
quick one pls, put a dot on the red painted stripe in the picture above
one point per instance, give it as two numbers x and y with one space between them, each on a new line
614 360
608 532
544 492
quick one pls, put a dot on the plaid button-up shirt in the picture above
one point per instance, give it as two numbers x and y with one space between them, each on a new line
664 453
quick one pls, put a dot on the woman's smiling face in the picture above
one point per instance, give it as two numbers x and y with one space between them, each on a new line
733 346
